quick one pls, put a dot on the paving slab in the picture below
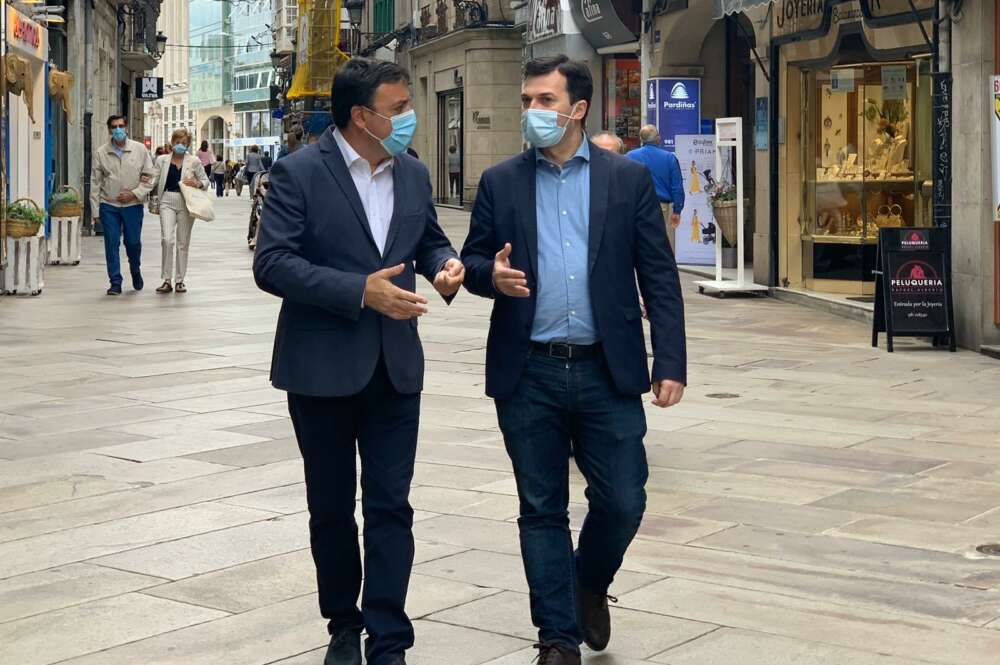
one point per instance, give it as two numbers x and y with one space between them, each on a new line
102 624
837 625
717 648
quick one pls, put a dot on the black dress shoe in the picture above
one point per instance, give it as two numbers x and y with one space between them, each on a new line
595 619
345 648
115 290
137 282
556 654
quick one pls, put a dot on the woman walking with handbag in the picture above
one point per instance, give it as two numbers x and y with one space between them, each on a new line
177 169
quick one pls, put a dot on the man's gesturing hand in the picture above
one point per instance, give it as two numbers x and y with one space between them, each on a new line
385 297
667 393
508 281
449 280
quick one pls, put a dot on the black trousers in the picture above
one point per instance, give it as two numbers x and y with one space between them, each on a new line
381 425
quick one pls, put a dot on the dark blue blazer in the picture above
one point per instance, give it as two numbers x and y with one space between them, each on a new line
316 251
627 240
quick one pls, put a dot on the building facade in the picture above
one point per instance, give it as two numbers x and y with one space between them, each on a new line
252 75
210 79
173 112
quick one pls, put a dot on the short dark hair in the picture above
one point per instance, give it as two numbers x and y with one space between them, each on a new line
113 117
356 82
579 82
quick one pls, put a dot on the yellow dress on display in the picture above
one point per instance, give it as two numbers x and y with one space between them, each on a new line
695 228
695 182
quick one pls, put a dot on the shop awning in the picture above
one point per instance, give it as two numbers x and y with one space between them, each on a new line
727 7
600 23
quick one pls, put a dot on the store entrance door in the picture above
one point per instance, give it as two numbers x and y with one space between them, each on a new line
451 163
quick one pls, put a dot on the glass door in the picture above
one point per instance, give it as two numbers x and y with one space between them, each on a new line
451 163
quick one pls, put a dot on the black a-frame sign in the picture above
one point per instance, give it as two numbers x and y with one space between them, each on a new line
913 286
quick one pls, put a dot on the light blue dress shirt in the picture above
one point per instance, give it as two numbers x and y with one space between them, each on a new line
563 311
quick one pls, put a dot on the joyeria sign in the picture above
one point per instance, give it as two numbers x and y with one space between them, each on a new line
24 34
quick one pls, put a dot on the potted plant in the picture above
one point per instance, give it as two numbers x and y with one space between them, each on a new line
23 218
723 201
66 203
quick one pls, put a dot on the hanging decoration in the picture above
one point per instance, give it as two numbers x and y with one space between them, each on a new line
17 71
60 89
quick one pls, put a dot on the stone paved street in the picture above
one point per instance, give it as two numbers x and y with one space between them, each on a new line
812 502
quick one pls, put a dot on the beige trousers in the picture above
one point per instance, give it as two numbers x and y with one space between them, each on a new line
175 235
667 209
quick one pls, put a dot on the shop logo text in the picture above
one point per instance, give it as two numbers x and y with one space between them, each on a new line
27 32
793 10
591 10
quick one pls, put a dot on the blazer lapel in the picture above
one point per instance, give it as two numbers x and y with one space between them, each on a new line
527 213
334 161
600 176
399 197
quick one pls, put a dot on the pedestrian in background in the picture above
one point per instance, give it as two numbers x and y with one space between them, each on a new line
666 172
347 349
254 164
566 360
610 142
219 175
176 223
205 155
266 161
122 175
454 172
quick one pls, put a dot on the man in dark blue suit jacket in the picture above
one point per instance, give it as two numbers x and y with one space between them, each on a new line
558 237
348 224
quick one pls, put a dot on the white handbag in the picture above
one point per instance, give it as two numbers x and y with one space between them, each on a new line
198 203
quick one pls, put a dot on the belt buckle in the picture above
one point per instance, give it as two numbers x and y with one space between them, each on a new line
569 350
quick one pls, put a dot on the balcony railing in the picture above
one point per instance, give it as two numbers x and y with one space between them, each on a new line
137 33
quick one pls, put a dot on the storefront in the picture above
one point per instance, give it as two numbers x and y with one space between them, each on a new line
856 99
26 52
466 85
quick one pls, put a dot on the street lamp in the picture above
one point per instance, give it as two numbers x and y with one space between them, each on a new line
355 11
161 44
275 60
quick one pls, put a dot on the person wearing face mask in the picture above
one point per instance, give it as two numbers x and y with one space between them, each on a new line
558 237
176 223
122 175
348 224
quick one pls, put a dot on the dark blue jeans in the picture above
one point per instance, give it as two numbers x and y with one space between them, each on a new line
116 222
559 402
381 425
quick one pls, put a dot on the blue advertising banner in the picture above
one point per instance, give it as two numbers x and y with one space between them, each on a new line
674 106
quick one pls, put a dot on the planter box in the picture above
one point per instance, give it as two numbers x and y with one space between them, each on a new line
64 241
25 270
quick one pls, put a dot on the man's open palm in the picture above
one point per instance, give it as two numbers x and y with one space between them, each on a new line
509 281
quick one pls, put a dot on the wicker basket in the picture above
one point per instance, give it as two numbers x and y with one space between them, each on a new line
57 209
725 217
21 228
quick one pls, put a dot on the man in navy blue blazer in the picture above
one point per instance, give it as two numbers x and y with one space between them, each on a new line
559 236
348 223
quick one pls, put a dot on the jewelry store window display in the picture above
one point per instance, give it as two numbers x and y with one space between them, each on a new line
869 142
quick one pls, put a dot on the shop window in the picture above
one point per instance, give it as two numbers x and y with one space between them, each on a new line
866 155
623 99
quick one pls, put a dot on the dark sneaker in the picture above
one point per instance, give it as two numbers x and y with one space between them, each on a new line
137 282
556 654
595 619
115 290
345 648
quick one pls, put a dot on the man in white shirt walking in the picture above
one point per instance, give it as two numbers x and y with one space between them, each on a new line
122 176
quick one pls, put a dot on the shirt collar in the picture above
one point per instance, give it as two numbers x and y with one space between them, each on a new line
351 156
583 152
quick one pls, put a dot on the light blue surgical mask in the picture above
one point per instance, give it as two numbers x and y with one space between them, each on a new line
541 129
118 134
180 148
404 126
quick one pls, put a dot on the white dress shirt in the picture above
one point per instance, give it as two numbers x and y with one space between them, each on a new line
375 189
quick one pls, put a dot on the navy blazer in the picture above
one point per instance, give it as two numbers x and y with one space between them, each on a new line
627 239
316 250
